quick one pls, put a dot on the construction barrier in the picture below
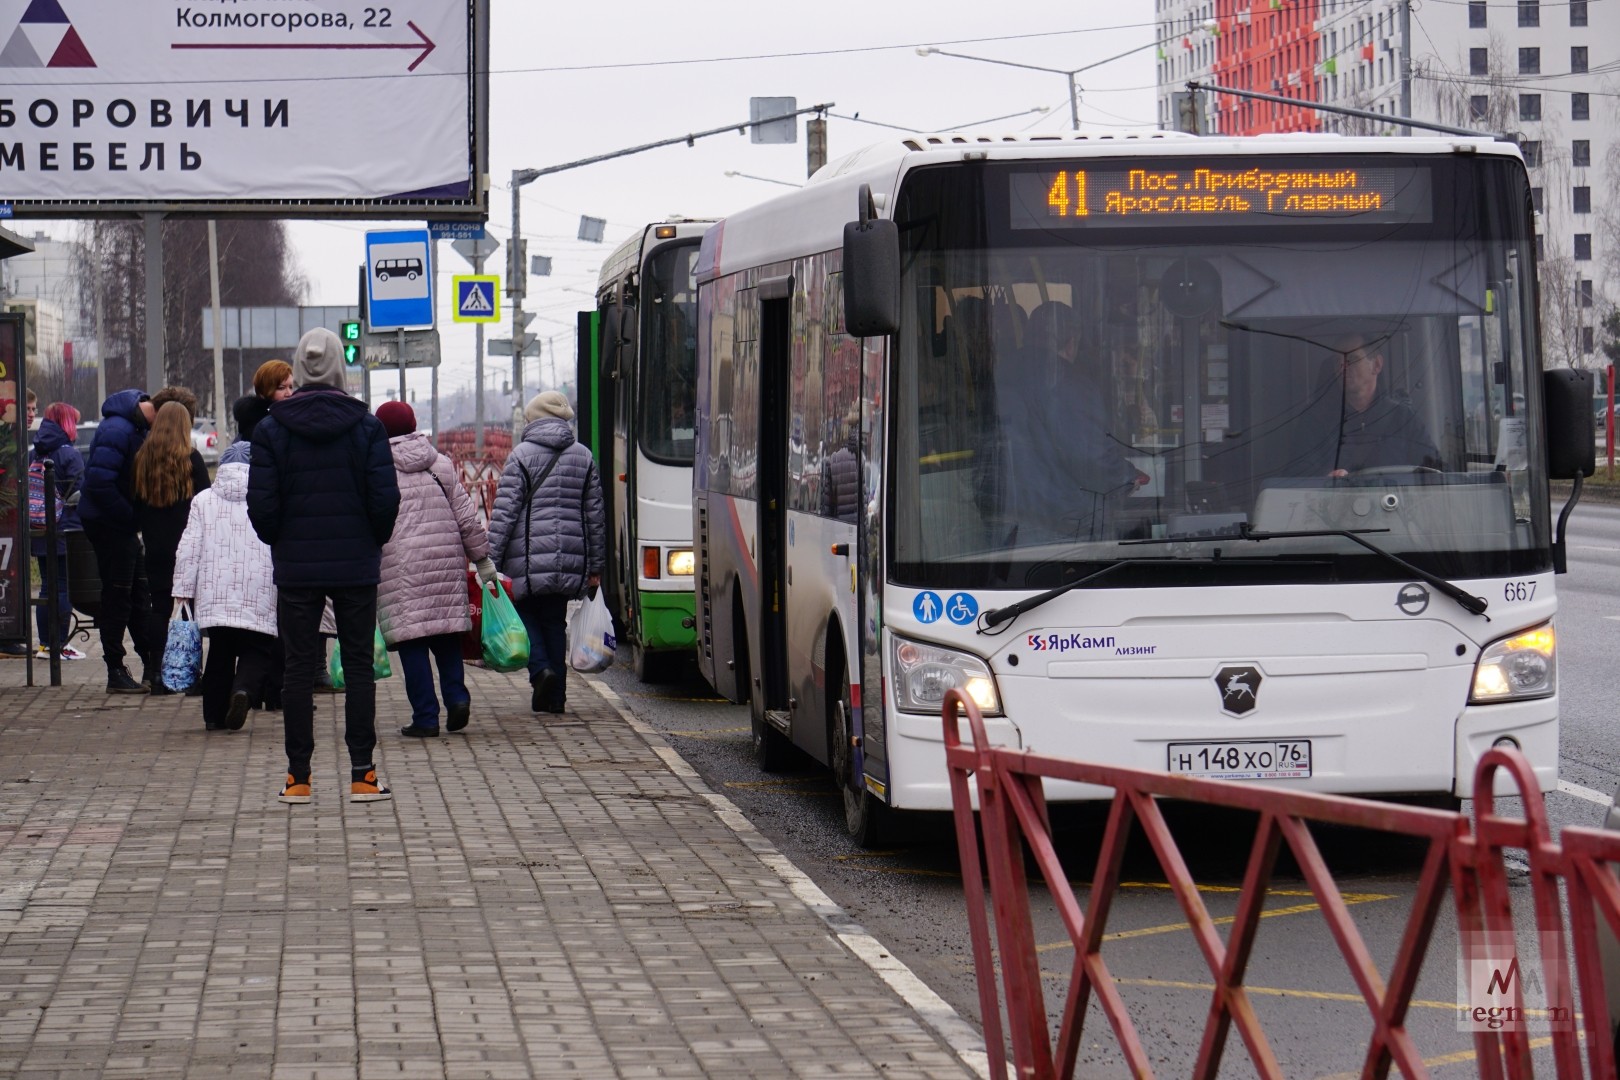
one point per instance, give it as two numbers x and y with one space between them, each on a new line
1464 853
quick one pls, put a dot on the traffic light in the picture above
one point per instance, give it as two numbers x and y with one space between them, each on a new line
350 332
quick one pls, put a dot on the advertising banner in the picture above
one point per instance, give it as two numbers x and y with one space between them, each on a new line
160 101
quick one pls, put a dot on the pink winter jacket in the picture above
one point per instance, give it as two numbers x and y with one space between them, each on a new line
423 591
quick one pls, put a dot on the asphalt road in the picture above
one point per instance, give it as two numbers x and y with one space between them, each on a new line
910 896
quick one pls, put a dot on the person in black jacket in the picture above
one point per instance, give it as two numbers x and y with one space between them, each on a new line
54 443
167 476
107 509
322 493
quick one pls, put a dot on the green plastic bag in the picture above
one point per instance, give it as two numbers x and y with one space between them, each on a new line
506 643
381 668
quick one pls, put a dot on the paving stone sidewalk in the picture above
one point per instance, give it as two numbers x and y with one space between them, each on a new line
543 897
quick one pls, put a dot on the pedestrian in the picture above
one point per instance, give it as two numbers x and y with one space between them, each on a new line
422 600
247 411
547 534
19 647
322 494
168 472
224 570
107 510
54 443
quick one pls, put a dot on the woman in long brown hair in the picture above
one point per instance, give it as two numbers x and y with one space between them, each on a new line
168 472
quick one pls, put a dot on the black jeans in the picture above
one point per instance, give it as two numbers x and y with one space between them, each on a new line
545 617
125 601
298 618
238 659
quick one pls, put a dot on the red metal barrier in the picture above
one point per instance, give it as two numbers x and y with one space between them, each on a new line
1466 855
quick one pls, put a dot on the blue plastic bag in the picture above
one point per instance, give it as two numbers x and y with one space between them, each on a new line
182 650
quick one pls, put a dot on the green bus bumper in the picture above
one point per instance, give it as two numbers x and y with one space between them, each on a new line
661 617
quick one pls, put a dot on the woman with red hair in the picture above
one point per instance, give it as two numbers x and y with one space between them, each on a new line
54 443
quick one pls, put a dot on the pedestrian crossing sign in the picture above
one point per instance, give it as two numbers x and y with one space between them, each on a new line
478 297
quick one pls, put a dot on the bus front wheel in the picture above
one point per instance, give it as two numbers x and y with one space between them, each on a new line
865 818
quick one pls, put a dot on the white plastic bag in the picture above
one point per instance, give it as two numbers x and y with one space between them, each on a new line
590 636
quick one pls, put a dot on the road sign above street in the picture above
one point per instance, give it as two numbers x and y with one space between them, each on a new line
473 250
399 279
503 347
478 298
456 230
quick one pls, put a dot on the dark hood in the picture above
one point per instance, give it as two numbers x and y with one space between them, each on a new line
49 439
125 404
319 413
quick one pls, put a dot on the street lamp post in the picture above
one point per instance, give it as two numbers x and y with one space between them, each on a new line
516 289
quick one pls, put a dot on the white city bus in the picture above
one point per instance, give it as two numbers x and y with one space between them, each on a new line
1083 426
637 363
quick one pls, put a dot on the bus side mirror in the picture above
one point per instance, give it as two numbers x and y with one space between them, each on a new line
1567 394
871 272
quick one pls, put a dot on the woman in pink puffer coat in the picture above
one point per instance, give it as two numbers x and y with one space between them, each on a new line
422 604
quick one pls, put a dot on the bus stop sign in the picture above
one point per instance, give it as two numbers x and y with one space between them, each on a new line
399 279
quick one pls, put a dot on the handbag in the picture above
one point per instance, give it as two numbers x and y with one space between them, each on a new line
590 636
182 649
381 668
505 642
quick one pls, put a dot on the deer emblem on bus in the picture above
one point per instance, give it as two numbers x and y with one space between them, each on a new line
1239 687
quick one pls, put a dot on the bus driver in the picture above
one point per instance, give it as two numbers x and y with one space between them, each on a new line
1375 431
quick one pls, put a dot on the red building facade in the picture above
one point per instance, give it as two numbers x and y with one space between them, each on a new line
1269 46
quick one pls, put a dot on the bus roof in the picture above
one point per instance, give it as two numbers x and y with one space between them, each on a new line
812 219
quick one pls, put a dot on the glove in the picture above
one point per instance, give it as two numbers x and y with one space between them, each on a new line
486 571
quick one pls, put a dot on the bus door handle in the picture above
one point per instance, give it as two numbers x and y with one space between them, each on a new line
841 549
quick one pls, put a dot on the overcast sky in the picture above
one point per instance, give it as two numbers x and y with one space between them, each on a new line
574 80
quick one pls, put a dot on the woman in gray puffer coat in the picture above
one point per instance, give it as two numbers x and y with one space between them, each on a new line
548 535
422 594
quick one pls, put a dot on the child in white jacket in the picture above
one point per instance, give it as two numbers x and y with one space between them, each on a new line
224 570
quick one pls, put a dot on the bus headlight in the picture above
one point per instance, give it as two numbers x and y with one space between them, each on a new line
681 563
923 673
1518 667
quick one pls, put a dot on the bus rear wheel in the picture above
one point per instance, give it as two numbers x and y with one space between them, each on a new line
865 818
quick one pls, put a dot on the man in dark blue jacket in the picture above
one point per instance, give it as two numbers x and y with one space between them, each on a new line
107 510
322 493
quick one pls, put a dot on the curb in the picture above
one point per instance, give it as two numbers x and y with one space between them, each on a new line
936 1012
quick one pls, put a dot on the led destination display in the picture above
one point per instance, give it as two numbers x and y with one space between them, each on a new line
1082 197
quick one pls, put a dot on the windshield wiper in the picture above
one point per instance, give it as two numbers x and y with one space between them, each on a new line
996 616
1474 605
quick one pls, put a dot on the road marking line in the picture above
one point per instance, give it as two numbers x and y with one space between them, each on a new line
1224 920
1453 1059
1583 793
1277 991
710 733
965 1040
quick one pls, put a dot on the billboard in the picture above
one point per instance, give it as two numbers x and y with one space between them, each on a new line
297 108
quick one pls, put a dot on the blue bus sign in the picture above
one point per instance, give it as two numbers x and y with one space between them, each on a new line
399 279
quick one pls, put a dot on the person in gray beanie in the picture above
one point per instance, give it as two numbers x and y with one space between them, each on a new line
548 535
323 494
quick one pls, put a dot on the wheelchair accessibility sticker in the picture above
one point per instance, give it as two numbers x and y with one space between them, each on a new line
927 607
961 609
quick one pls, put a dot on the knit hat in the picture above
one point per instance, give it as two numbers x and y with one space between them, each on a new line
248 411
548 403
397 418
318 360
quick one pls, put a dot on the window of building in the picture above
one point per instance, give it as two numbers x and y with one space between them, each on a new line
1583 200
1587 344
1529 61
1529 12
1537 200
1476 12
1577 13
1531 149
1580 152
1584 292
1479 62
1583 247
1577 59
1580 107
1529 106
1479 106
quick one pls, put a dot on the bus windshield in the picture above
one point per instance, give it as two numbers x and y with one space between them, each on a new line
1089 371
666 396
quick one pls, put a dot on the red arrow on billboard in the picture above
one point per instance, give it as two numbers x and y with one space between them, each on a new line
425 44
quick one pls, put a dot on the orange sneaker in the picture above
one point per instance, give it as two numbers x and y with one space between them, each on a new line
368 788
295 790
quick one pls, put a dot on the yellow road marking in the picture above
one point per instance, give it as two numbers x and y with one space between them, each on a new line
786 787
1457 1058
708 733
1224 920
